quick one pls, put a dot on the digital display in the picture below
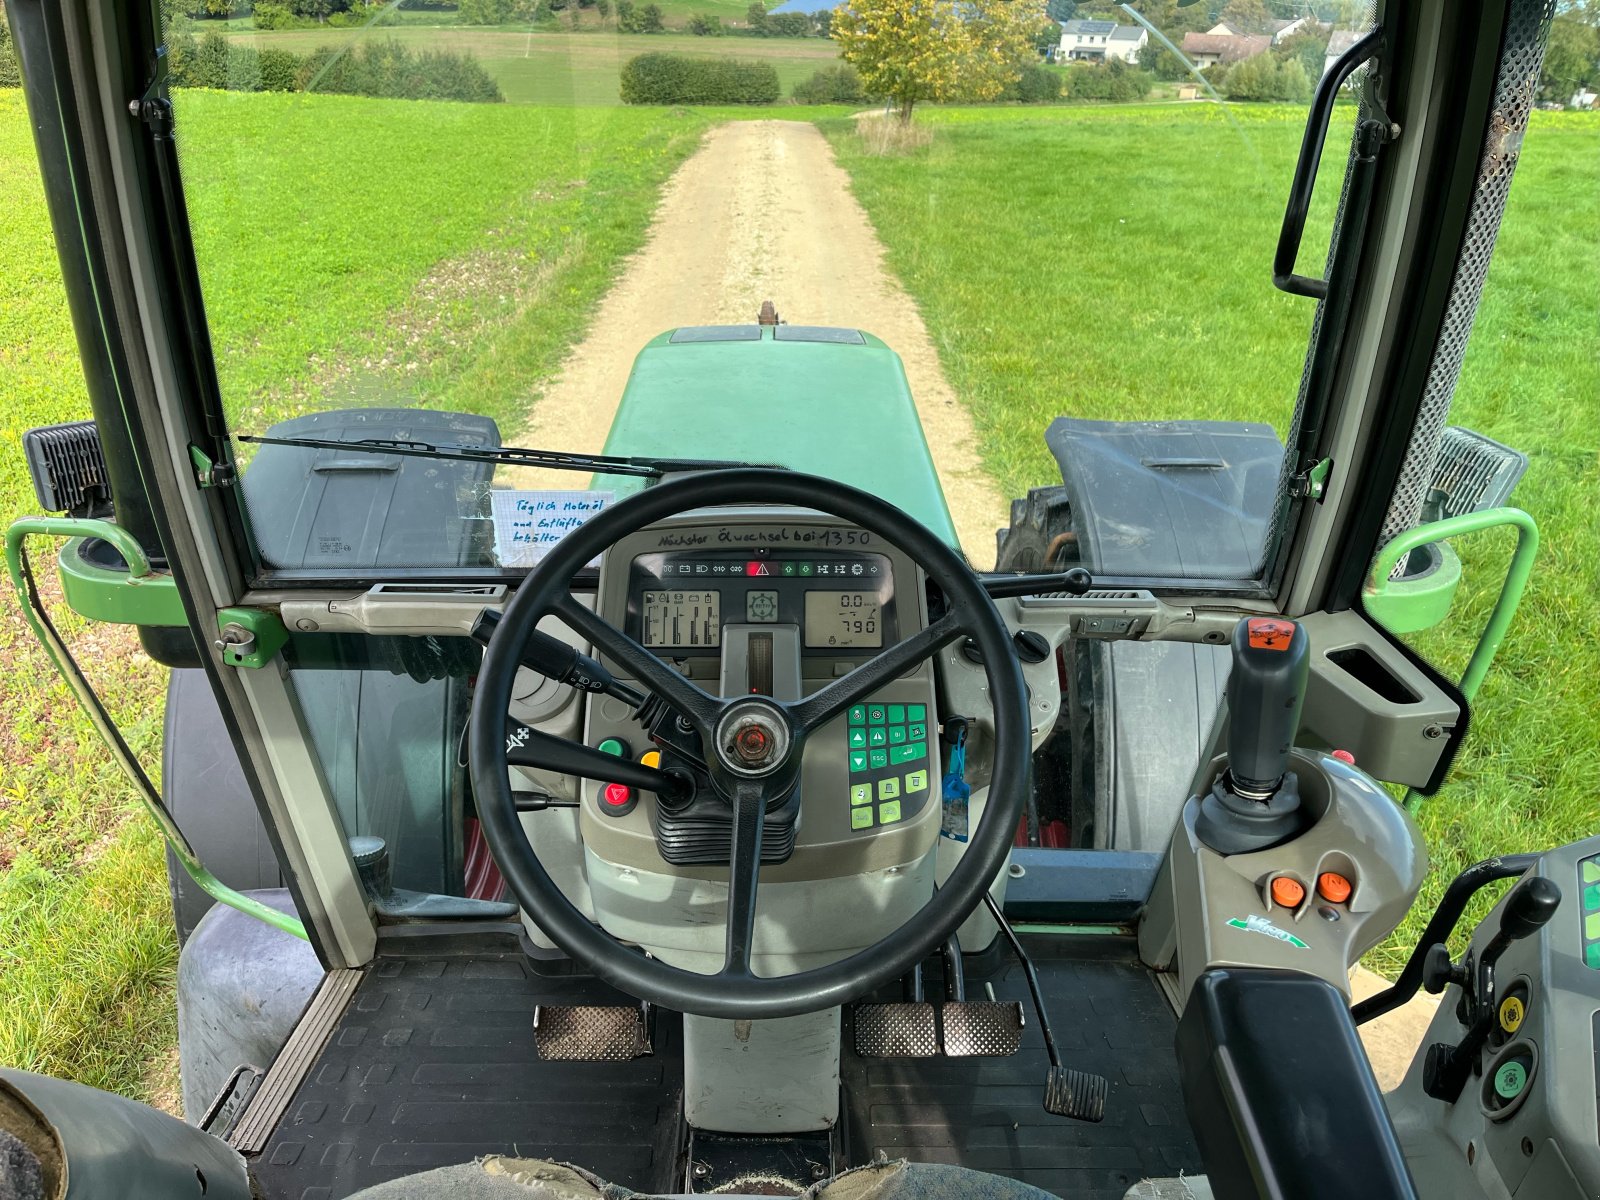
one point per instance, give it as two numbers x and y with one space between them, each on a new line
843 619
683 618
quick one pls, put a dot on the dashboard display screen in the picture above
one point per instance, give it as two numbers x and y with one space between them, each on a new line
683 618
835 618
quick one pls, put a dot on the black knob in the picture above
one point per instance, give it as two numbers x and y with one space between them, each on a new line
1438 970
1529 907
1266 690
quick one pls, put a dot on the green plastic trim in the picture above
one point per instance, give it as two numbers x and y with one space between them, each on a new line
1505 608
139 568
117 597
1410 605
265 627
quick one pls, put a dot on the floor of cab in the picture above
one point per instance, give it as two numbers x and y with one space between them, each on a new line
433 1062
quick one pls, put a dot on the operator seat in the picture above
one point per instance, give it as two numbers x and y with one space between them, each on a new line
533 1179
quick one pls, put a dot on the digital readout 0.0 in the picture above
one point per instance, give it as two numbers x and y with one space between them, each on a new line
683 618
845 619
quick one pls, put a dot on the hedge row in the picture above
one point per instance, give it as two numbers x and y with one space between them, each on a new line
388 69
10 72
676 79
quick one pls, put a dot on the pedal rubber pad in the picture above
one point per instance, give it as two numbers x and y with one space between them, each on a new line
895 1031
981 1028
1075 1094
590 1033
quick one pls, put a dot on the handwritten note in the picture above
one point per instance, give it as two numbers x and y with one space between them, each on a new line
527 524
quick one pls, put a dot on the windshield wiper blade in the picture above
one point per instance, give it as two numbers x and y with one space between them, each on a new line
514 456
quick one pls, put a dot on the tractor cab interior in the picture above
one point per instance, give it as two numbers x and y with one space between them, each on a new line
710 814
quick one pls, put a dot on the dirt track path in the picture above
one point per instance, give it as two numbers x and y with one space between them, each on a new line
762 211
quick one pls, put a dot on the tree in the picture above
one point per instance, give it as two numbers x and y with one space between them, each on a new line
1061 10
756 18
937 50
1571 59
824 22
705 25
1246 16
650 19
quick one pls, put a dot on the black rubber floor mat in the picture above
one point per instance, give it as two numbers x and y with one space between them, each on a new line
434 1063
988 1114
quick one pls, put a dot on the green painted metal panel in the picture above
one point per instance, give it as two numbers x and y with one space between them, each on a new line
119 597
839 410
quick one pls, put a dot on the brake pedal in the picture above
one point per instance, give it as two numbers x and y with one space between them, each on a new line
896 1030
1076 1094
981 1028
592 1032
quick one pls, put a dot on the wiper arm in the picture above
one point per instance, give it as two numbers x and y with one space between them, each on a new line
514 456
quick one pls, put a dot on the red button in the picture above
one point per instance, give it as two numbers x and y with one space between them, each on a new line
617 794
1345 756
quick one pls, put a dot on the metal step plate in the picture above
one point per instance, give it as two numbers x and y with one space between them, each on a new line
590 1033
981 1028
1077 1094
895 1031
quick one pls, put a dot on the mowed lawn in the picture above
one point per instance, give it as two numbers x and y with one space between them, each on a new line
559 67
1115 263
317 278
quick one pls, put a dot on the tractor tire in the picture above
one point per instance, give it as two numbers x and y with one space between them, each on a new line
1040 537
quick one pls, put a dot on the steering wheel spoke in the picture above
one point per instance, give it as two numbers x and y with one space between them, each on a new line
744 875
822 706
688 698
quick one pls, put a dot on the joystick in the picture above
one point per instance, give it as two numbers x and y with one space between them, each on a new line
1255 802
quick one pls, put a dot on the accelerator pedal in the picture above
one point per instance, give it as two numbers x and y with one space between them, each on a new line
1075 1094
981 1028
896 1030
592 1032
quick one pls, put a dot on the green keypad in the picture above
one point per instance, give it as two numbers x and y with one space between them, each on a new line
881 740
1589 895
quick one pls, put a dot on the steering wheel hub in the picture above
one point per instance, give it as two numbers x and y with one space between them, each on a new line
753 739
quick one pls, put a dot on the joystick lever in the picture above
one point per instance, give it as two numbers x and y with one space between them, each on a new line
1255 802
1527 910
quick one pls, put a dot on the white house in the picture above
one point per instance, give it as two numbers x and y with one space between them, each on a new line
1338 42
1276 30
1099 40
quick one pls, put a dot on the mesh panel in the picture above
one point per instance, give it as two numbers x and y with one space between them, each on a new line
1514 97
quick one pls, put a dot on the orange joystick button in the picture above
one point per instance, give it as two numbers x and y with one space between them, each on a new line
1334 888
1288 892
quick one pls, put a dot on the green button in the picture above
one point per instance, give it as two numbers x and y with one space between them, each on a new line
805 568
897 714
1591 870
897 734
860 793
905 754
919 733
915 782
788 568
858 760
858 714
878 758
1510 1079
1591 927
888 789
613 746
1591 955
877 736
1591 897
889 813
861 818
858 738
916 712
875 714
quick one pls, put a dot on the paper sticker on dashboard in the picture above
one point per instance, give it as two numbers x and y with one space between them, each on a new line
528 523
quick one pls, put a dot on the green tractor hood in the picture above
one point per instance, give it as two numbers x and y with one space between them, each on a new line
832 402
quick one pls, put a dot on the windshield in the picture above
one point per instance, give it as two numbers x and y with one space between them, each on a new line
1005 263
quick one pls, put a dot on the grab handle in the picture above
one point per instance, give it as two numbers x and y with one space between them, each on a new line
1305 171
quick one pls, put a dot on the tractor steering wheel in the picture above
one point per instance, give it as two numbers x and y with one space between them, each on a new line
747 768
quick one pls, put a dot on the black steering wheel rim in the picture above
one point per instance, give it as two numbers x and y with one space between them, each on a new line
748 997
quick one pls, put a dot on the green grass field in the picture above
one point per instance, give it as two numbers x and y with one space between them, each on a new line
1048 294
572 68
